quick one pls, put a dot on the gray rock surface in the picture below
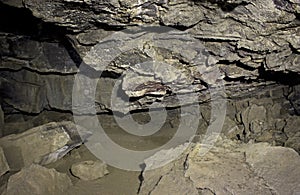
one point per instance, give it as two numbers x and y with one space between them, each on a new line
254 118
34 55
247 41
37 180
292 131
43 144
89 170
294 98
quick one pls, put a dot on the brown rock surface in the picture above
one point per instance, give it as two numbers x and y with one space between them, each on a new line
89 170
228 168
43 144
37 180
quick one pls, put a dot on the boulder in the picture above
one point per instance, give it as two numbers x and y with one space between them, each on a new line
229 167
223 170
278 166
43 144
294 142
37 180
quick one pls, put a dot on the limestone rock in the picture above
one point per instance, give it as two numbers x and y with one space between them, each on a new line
294 142
163 157
230 128
184 18
278 166
254 118
37 56
228 168
43 144
3 163
223 171
246 41
36 91
291 129
89 170
38 180
181 185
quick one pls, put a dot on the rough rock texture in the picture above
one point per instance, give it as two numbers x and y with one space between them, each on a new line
18 123
249 42
3 163
293 97
37 180
228 168
292 131
89 170
264 160
43 144
172 53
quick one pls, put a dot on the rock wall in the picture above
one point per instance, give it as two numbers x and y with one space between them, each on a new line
253 45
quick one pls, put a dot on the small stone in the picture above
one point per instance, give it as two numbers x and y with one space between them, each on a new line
89 170
36 180
3 163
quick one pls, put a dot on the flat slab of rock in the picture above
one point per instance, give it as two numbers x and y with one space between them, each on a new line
228 168
43 144
37 180
180 185
3 163
223 170
89 170
279 166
